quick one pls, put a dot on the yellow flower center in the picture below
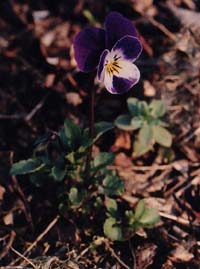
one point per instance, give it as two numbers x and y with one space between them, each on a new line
112 67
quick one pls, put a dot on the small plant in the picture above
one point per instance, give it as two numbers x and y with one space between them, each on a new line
96 195
121 227
60 154
148 119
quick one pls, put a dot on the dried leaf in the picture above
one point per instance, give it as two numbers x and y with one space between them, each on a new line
123 141
149 89
181 165
188 18
146 6
73 98
145 255
123 160
180 254
49 81
2 191
8 219
40 15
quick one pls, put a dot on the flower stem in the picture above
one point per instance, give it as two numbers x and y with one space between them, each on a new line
92 100
92 103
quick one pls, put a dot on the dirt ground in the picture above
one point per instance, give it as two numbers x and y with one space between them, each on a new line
40 86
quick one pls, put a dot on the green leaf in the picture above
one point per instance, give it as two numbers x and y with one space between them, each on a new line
157 108
100 128
72 133
140 208
167 154
130 218
136 123
64 140
145 135
59 172
70 157
86 142
44 158
137 107
112 230
162 136
89 16
26 167
124 122
102 159
144 141
150 217
113 185
111 206
74 196
39 179
133 106
162 123
98 203
140 149
143 108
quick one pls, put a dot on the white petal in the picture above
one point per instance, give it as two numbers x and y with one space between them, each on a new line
108 81
128 70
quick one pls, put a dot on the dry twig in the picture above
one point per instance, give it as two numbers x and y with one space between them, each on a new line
158 25
9 245
24 258
39 238
116 256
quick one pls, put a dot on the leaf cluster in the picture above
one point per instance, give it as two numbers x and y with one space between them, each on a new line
147 118
60 154
118 228
61 157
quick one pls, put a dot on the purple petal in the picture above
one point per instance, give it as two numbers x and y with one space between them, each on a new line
122 85
101 63
129 46
117 27
88 46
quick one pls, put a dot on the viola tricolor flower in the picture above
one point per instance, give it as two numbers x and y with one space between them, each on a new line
112 51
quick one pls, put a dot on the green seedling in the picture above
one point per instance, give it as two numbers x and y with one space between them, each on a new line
147 118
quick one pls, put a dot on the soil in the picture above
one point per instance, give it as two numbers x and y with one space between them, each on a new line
40 86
